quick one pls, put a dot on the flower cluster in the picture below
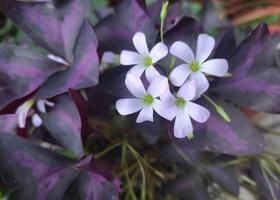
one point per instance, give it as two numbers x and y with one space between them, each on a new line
190 77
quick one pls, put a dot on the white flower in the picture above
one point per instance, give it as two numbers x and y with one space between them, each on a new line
183 109
146 101
23 110
195 66
143 59
41 105
36 120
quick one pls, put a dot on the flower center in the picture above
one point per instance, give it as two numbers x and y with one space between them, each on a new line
148 61
194 66
148 99
180 102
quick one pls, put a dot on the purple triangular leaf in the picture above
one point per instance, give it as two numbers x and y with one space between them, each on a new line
64 123
53 25
237 137
259 88
22 70
115 32
32 172
82 73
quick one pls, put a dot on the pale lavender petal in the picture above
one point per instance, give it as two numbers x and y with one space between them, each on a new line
201 83
182 51
197 112
140 43
205 45
179 75
129 106
188 90
183 125
158 86
146 114
36 120
135 85
130 58
168 97
158 52
215 67
165 110
137 70
151 74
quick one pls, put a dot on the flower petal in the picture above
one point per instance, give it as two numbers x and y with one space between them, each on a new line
182 51
188 90
130 58
197 112
205 45
183 125
137 70
146 114
36 120
158 86
179 75
151 73
128 106
201 83
135 85
158 52
140 43
168 97
165 110
22 112
215 67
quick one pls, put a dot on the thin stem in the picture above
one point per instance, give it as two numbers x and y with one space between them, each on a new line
157 172
136 156
105 151
124 166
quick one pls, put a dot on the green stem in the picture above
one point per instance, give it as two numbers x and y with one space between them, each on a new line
124 166
105 151
136 156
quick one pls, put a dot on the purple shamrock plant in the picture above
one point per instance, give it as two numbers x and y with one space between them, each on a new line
180 88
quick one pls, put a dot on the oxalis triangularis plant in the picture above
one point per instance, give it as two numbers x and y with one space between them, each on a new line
65 92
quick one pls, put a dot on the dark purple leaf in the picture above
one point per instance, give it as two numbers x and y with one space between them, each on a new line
225 44
189 187
237 137
90 186
257 87
81 105
64 123
32 172
82 73
8 123
53 25
186 29
115 32
267 188
226 178
22 70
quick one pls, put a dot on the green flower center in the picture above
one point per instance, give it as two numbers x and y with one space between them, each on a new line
194 66
148 99
180 102
148 61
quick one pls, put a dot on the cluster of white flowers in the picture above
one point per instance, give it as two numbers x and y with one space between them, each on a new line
189 76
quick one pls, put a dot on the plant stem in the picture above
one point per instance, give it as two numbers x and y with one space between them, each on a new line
102 153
